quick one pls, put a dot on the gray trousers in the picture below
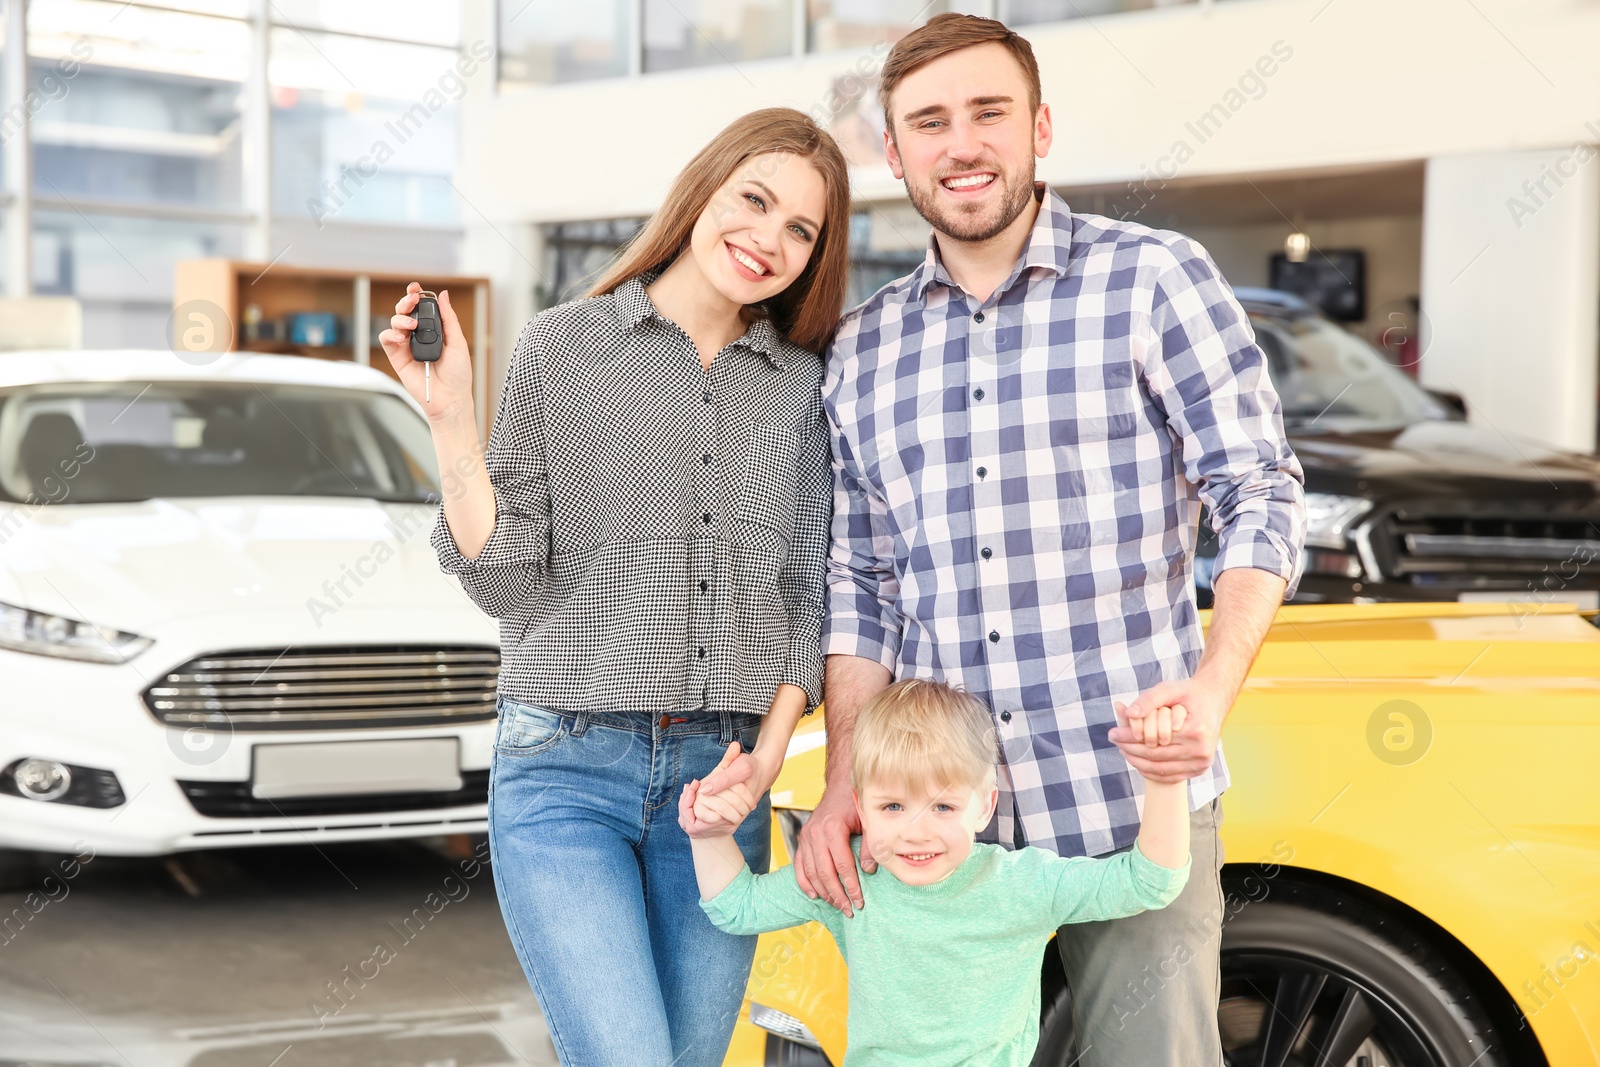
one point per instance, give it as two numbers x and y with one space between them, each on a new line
1145 988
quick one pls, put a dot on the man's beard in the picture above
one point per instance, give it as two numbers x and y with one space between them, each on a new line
970 226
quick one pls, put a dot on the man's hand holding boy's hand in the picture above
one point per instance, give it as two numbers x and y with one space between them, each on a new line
1193 746
1161 726
718 814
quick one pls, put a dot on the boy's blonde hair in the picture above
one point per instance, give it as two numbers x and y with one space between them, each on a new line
923 734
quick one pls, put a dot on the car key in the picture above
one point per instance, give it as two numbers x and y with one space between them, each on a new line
427 340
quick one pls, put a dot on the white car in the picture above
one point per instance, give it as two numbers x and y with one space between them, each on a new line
221 621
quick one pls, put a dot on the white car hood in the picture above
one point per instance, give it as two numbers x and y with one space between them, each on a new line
140 566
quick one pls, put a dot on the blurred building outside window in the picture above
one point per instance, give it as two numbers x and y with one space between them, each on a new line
543 43
709 33
1033 12
139 145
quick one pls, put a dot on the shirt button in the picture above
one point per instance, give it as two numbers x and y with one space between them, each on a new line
704 585
978 317
706 518
702 653
1005 716
706 396
706 459
983 472
986 553
977 394
994 637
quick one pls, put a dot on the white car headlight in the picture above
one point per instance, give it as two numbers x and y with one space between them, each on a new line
1329 516
22 630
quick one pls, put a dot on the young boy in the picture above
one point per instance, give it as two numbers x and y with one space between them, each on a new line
944 952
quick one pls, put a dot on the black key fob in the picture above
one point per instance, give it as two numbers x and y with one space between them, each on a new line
427 340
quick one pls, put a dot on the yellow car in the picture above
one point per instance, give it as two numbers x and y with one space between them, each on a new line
1412 843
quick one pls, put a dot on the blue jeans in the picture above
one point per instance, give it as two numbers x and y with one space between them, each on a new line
597 886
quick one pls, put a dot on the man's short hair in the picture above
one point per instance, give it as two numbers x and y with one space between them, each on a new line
923 734
947 33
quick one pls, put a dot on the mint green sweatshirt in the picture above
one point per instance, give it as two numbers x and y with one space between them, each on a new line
947 975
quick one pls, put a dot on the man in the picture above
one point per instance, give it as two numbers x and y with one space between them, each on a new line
1025 428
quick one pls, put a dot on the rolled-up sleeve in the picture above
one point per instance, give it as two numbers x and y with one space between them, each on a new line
514 561
1209 375
863 617
803 577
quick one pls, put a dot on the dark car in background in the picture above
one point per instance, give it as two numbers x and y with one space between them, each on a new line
1405 499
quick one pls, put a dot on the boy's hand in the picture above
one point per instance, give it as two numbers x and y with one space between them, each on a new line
1193 748
704 815
1159 727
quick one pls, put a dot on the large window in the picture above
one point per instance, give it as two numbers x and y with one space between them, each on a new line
548 41
882 249
1030 12
143 105
423 21
141 137
121 268
364 130
706 33
837 24
543 42
577 253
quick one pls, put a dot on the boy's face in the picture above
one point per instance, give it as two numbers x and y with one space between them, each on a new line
964 141
921 834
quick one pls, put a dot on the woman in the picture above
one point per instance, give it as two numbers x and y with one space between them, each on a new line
649 523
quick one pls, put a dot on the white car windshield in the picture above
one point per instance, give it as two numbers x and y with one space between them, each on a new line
98 442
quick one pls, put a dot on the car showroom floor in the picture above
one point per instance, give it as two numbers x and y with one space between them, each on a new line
225 959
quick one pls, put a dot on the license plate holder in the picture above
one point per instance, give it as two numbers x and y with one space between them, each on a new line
351 768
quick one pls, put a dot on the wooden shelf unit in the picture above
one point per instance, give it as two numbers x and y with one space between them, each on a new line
354 296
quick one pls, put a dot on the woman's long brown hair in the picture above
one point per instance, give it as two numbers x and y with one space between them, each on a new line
807 312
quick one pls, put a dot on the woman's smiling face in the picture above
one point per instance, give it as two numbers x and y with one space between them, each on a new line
921 833
756 235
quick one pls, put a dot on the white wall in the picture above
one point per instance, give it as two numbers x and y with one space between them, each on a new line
1509 289
1364 81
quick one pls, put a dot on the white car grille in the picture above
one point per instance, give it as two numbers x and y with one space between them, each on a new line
329 688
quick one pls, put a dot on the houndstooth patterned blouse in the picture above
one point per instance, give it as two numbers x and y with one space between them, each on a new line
661 530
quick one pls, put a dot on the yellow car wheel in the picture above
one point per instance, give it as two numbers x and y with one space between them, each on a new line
1317 978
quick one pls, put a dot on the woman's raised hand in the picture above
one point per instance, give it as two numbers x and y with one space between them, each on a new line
451 385
703 814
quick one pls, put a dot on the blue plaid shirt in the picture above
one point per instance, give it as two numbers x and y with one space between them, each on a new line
1017 490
